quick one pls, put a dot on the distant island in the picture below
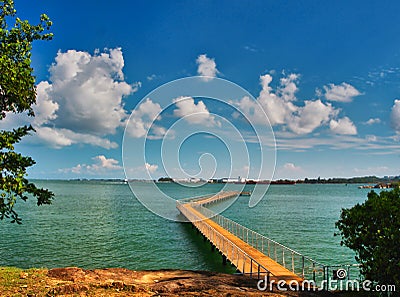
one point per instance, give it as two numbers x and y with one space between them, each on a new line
365 181
371 181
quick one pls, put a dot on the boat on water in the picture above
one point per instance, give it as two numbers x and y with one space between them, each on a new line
245 193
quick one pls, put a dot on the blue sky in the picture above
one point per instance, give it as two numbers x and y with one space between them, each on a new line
325 73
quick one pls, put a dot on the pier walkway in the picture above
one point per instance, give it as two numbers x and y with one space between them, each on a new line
251 253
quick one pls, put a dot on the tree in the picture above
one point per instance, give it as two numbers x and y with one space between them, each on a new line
372 230
17 95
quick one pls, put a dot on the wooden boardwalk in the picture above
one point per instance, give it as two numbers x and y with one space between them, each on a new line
247 259
216 198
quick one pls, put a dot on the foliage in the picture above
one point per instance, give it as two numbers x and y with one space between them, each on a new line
372 230
352 180
17 95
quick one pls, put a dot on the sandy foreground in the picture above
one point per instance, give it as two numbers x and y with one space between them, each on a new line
73 281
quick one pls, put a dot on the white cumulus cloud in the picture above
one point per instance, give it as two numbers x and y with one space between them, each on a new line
137 172
151 167
395 116
82 102
288 87
291 167
103 162
311 116
341 93
141 122
58 138
276 108
45 108
280 108
194 113
100 165
89 91
289 170
343 126
206 67
373 121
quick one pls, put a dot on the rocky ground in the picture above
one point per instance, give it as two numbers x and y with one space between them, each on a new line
123 282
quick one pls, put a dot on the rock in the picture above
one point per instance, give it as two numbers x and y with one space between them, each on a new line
69 289
68 274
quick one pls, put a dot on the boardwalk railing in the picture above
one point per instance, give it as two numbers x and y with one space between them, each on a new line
239 258
299 264
207 199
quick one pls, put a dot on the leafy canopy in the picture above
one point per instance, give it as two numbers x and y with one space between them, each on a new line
17 95
372 230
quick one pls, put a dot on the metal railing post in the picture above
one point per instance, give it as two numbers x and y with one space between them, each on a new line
313 266
292 262
262 245
257 241
244 264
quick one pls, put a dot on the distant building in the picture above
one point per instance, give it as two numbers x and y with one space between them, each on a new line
232 180
187 180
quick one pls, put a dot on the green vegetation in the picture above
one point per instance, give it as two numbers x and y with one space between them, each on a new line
372 230
17 95
18 282
166 179
351 180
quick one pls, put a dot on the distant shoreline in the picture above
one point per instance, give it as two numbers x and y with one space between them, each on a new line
334 180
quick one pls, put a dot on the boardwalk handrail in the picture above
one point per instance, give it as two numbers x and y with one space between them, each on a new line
299 264
203 197
237 256
195 198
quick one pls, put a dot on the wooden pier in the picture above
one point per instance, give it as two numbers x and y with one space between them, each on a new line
251 253
215 198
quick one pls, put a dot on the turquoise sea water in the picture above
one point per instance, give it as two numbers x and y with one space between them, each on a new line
101 224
